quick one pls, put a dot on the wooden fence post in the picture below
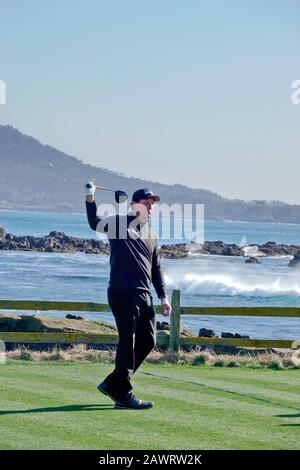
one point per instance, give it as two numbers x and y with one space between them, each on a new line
175 321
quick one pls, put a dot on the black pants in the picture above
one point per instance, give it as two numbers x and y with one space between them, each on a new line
135 318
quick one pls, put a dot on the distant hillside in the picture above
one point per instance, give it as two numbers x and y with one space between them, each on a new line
34 176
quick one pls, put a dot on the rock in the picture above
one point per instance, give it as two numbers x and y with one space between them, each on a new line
227 335
194 247
295 262
38 243
162 326
58 235
54 242
252 260
2 233
181 250
231 251
163 339
175 255
178 250
221 248
74 317
186 333
204 333
236 335
11 246
274 249
60 242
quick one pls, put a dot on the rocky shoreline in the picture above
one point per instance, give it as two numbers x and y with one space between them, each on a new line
55 242
59 242
37 323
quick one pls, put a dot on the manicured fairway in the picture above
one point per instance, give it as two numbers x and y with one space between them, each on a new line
56 406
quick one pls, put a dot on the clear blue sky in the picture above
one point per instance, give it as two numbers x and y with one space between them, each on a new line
194 92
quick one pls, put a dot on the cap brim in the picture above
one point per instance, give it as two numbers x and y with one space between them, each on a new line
155 197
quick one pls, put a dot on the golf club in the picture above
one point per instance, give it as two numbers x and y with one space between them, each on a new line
120 196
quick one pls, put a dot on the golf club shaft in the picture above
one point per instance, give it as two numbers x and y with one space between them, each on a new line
106 189
119 195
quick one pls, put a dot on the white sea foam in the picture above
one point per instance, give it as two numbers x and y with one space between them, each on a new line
252 251
227 285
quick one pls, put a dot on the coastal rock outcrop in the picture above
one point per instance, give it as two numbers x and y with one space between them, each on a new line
59 242
295 262
2 233
204 333
234 335
278 249
252 260
182 250
178 250
222 248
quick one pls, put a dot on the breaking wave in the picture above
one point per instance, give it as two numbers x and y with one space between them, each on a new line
227 285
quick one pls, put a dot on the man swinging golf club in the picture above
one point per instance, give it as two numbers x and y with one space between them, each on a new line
134 264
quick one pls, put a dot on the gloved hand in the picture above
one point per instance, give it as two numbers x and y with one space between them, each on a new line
89 188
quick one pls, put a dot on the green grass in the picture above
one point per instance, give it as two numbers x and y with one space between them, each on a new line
57 406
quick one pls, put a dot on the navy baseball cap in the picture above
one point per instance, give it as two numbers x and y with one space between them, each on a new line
144 193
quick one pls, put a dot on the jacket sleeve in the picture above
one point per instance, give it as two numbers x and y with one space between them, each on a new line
100 224
91 212
158 280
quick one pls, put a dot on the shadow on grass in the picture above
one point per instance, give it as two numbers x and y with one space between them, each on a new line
59 409
290 425
289 416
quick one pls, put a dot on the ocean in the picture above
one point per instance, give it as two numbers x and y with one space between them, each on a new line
204 280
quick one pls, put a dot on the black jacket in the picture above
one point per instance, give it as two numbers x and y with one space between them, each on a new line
134 255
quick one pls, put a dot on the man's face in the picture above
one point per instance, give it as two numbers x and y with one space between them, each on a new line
145 213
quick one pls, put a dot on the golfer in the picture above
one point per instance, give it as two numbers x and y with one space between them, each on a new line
134 264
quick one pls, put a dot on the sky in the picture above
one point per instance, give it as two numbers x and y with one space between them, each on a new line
191 92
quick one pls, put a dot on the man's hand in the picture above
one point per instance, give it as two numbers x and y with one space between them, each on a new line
166 307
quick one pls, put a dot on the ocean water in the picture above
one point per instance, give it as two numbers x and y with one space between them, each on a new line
203 280
74 224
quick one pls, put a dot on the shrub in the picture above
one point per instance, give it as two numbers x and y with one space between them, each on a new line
200 359
25 355
275 365
54 355
232 364
219 363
